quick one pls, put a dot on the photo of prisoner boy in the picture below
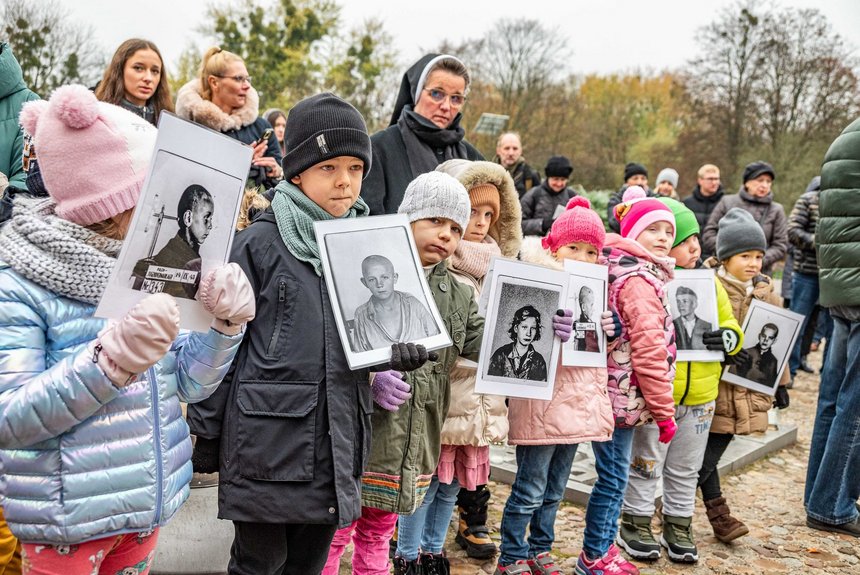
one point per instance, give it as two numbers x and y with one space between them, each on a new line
389 316
585 327
758 363
175 269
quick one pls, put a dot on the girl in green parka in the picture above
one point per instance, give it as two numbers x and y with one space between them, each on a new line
696 384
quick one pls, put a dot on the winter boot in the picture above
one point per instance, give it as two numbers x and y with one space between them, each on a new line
677 538
404 567
636 538
472 533
431 564
726 528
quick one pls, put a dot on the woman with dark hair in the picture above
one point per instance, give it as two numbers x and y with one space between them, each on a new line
278 120
519 359
136 80
424 130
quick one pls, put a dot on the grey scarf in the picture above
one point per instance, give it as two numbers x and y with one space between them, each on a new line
59 255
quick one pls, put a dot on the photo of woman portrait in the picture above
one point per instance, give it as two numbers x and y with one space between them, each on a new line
519 359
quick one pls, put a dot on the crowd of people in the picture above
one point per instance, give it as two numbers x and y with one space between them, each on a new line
96 454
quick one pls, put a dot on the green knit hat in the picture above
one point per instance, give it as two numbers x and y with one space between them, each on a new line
685 220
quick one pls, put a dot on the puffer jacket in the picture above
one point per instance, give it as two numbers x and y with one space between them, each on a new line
480 419
579 410
407 442
697 382
540 203
13 95
82 458
839 213
739 410
641 362
702 205
801 229
768 213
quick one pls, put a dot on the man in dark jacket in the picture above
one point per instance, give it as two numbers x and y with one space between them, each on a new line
707 194
832 488
509 153
543 203
634 175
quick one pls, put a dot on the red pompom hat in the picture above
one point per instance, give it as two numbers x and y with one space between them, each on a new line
578 223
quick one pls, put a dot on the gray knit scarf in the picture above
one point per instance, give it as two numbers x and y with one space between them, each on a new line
295 214
59 255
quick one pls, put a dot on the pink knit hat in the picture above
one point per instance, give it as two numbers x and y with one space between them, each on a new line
92 155
638 211
578 223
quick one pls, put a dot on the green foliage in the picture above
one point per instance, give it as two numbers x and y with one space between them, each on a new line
599 201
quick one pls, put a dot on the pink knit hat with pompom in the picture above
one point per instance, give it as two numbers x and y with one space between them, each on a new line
637 211
578 223
93 155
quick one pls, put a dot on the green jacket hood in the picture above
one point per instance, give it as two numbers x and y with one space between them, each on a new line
11 76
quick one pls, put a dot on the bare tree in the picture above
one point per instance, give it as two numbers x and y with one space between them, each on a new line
52 48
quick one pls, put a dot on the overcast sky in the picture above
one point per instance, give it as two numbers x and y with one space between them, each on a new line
605 35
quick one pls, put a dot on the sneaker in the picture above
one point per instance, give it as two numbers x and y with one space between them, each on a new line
544 564
610 564
636 538
850 528
520 567
677 538
434 564
404 567
475 540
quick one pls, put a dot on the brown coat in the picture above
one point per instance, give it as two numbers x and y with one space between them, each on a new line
741 411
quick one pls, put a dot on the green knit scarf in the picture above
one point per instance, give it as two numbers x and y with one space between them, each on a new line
295 214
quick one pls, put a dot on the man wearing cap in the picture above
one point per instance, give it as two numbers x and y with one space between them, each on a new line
756 197
509 154
634 175
543 203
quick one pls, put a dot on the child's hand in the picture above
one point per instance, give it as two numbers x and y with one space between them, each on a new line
389 390
741 360
227 294
722 339
668 427
562 324
409 356
611 324
780 399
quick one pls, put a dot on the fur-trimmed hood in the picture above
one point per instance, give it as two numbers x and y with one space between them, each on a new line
507 230
533 252
190 105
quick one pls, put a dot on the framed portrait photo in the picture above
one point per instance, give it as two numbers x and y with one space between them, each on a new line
519 352
769 336
184 221
693 301
586 297
377 288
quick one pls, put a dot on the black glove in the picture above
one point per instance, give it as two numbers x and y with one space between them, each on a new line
780 399
409 356
547 224
722 339
205 456
741 360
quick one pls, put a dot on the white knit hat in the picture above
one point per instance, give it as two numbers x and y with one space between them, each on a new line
436 195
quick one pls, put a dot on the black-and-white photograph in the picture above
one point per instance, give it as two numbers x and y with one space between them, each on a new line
586 298
377 285
693 301
769 336
184 221
519 351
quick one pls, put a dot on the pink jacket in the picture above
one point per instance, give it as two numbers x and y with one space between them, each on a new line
579 410
641 361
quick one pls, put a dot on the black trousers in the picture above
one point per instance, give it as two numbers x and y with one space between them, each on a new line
279 549
709 477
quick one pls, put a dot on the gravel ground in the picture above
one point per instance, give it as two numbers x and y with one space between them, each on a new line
767 496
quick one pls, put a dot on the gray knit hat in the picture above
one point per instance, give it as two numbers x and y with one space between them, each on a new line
322 127
436 195
667 175
738 233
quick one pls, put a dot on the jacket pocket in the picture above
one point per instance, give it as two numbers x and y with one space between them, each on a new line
286 287
275 433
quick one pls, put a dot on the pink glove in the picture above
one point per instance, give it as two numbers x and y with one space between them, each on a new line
132 345
227 294
611 324
562 324
389 389
668 427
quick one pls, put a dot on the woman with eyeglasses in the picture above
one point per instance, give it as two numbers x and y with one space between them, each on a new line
222 98
136 80
424 130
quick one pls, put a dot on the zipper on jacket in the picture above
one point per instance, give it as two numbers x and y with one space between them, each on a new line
686 389
282 298
159 469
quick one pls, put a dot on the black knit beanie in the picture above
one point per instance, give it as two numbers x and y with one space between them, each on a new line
632 169
322 127
558 167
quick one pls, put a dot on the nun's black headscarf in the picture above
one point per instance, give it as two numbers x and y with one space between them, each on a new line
413 82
